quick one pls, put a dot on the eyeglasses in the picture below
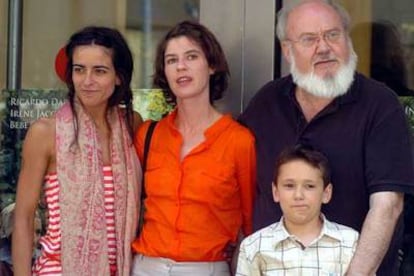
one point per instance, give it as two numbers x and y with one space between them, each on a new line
309 40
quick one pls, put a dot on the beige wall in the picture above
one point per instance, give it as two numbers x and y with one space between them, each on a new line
361 12
48 24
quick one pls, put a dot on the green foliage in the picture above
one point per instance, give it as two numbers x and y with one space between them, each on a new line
151 104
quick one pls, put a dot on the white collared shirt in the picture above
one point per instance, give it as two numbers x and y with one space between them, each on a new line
273 251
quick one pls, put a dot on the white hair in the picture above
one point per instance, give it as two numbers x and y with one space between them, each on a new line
328 87
290 5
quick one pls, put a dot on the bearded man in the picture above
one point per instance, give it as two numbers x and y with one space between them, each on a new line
358 123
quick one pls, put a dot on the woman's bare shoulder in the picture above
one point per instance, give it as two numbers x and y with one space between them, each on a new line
41 130
43 125
39 144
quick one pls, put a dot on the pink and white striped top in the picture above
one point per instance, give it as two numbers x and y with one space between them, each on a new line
110 216
48 263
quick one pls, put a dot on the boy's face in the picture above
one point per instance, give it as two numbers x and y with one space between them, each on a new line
300 192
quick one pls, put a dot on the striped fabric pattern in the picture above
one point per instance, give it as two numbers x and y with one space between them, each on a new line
110 216
48 262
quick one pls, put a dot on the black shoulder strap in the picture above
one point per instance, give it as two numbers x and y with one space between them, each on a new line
146 149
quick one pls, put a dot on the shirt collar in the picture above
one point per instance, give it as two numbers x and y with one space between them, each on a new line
212 132
171 118
281 233
328 229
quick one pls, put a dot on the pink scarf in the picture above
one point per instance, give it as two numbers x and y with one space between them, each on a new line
79 169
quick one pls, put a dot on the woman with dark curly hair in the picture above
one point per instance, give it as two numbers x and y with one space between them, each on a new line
84 160
200 169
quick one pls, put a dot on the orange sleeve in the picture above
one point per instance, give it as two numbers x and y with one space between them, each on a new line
246 176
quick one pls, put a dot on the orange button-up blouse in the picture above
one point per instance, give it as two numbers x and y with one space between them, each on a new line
196 206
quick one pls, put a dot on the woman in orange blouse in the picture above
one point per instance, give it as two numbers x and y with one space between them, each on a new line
201 164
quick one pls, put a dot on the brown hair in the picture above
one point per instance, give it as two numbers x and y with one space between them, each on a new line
212 50
307 154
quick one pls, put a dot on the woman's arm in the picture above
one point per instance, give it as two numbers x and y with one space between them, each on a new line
246 174
37 151
246 178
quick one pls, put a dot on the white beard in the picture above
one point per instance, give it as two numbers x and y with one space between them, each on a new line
328 87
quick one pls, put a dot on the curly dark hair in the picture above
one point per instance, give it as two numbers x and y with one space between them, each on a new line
212 50
121 59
